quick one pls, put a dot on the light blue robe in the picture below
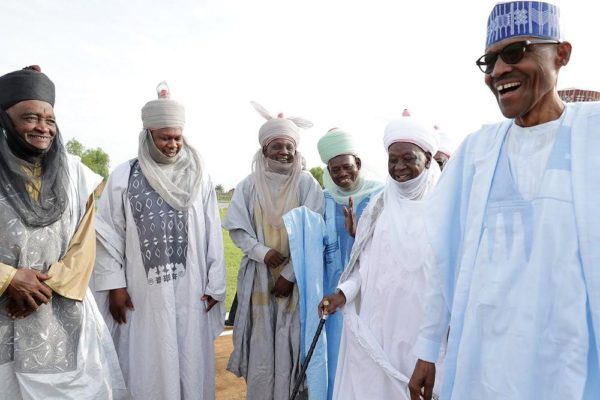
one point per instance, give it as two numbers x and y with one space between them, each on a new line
338 246
306 230
519 279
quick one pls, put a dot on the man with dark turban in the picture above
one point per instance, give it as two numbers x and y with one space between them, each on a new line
53 341
160 269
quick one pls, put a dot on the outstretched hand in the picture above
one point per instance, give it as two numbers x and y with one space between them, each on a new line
350 217
27 292
422 381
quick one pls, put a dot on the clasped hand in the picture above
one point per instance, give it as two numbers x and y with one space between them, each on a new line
27 292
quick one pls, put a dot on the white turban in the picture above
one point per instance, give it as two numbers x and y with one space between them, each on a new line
280 127
407 129
163 112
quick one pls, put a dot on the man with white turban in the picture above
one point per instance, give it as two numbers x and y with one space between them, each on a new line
266 333
347 194
380 289
160 271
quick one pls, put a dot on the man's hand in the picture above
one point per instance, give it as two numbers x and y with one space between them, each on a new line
422 380
336 300
350 217
119 303
16 312
210 302
274 259
27 292
283 287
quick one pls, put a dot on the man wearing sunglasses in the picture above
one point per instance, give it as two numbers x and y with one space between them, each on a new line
515 227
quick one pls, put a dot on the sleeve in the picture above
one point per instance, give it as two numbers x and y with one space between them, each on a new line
288 272
215 255
249 245
110 268
238 223
6 274
351 286
70 276
435 322
446 211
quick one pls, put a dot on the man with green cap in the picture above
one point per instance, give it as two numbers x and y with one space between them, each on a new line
347 194
515 227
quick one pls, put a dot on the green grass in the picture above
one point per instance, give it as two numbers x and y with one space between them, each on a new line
233 256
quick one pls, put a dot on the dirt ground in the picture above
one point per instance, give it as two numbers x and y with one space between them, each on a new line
229 387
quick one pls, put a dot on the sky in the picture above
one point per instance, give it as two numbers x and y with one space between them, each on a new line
339 63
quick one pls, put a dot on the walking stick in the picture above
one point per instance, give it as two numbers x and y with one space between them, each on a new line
310 351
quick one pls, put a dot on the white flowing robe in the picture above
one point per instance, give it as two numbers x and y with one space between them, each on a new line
166 347
517 278
266 332
384 300
47 363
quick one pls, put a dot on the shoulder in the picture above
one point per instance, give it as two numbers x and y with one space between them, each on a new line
589 109
307 179
119 177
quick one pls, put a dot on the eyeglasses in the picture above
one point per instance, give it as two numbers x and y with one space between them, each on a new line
511 54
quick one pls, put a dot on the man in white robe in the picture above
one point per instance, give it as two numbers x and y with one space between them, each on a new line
380 290
160 272
53 340
266 334
514 225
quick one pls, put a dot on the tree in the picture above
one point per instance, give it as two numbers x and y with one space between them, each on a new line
74 147
317 173
95 159
219 189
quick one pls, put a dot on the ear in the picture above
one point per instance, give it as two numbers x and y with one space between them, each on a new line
358 162
563 52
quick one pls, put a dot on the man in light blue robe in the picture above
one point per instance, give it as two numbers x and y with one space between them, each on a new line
347 194
515 227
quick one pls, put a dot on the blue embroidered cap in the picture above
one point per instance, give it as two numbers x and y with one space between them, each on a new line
523 18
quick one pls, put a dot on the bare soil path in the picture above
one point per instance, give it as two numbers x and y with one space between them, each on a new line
229 386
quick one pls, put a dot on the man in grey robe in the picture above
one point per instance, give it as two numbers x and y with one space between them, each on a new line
267 327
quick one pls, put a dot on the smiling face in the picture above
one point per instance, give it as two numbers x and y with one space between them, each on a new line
344 170
406 161
281 149
168 141
526 90
34 121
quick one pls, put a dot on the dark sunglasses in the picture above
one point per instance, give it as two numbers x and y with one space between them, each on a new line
511 54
